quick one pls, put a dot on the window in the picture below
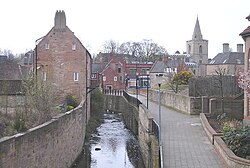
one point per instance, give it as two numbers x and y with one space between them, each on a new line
119 70
238 61
46 46
44 76
200 61
159 75
144 71
189 49
200 49
76 76
120 78
74 46
25 60
104 78
115 78
93 76
132 71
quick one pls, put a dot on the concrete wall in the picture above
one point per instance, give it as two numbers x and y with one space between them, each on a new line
56 143
182 103
139 121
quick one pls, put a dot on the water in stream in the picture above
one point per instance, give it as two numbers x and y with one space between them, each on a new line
112 146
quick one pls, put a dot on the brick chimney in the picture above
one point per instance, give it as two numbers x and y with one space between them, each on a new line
60 20
239 47
225 47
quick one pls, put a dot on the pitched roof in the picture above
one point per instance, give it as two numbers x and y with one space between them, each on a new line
228 58
246 32
158 67
10 71
97 67
3 58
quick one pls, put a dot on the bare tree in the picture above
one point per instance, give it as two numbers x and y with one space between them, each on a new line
111 47
151 50
146 50
221 72
39 99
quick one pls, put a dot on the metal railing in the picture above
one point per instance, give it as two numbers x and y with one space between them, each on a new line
131 99
155 129
113 92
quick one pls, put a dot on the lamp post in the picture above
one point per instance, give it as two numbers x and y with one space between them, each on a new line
159 102
136 88
147 86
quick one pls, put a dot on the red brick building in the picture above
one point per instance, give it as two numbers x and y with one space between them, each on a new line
139 71
113 75
62 60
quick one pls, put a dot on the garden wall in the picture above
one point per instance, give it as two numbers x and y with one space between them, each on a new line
56 143
230 159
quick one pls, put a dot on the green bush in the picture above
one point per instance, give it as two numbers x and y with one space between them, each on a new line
97 101
69 108
238 140
71 101
182 78
20 124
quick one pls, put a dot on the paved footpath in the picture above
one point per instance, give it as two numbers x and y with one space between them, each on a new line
185 144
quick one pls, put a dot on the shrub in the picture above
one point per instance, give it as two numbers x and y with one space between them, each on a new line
238 140
69 108
230 125
182 78
20 123
71 101
97 101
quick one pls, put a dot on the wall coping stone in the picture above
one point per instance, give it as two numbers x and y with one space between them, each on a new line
211 133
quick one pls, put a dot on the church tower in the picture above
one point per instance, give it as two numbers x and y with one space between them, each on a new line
197 47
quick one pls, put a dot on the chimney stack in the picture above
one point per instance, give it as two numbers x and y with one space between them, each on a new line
225 47
239 47
60 20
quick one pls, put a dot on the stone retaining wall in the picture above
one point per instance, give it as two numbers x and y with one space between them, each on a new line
182 103
56 143
138 121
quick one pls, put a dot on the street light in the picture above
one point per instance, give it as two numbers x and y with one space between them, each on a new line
159 102
136 80
147 86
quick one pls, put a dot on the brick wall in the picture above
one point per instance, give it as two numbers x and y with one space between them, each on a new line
56 143
60 61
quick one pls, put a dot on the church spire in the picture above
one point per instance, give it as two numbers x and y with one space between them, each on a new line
197 31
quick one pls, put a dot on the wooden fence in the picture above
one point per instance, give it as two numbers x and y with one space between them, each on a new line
210 86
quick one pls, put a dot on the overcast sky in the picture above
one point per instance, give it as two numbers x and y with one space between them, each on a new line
170 23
